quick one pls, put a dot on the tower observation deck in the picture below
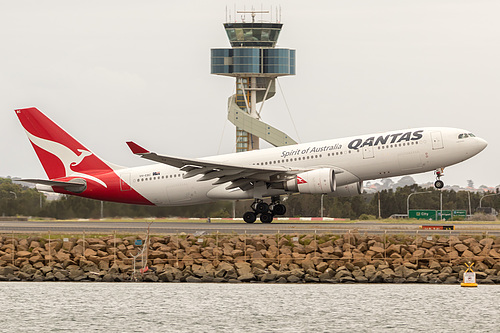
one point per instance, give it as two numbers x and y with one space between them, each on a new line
255 62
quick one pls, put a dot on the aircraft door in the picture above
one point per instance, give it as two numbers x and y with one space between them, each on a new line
125 182
367 152
437 140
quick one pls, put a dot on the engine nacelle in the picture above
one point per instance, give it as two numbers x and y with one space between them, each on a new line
349 190
318 181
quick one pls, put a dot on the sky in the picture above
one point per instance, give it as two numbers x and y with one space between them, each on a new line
113 71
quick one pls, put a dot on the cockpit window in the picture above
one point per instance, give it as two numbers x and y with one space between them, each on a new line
465 135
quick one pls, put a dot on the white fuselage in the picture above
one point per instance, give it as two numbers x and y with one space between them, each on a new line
354 159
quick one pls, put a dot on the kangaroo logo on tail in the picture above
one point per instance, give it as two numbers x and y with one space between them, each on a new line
67 157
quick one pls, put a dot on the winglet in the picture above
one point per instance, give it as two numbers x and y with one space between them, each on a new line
136 149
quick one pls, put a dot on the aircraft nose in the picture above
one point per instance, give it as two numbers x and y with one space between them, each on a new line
481 144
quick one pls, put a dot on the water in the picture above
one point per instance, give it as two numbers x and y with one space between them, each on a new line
184 307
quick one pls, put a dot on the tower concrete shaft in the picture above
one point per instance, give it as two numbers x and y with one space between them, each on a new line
255 63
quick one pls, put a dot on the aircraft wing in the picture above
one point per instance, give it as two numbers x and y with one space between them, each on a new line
241 176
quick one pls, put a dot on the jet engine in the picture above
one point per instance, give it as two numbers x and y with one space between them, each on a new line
349 190
313 182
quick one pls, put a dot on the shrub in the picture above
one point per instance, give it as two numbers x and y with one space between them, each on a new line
483 217
367 217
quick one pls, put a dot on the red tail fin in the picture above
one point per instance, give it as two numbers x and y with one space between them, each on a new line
60 154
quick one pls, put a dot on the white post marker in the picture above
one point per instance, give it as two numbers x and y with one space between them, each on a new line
469 277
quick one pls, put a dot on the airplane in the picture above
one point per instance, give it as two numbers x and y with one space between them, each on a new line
337 167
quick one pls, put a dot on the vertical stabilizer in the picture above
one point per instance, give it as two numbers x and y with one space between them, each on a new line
61 155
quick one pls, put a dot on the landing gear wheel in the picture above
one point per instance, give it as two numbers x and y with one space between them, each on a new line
266 217
279 209
439 184
249 217
261 207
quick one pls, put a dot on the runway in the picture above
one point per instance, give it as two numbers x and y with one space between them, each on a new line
199 228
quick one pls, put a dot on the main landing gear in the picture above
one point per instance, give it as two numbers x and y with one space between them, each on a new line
265 210
439 184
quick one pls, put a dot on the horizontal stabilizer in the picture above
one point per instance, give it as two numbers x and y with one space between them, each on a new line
76 185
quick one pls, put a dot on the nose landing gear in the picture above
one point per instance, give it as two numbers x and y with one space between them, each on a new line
439 184
266 211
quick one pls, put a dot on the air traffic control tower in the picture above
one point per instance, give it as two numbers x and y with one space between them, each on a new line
255 62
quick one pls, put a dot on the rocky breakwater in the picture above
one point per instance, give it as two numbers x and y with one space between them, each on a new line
325 258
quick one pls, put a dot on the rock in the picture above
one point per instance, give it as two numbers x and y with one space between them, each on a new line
361 279
88 266
360 263
376 278
5 271
370 271
268 277
494 254
108 278
426 244
243 268
76 273
59 276
293 279
342 273
377 249
310 279
259 264
326 250
23 254
461 247
281 280
321 267
192 279
298 273
326 275
486 242
307 264
451 280
401 271
347 279
150 277
24 276
418 254
246 277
